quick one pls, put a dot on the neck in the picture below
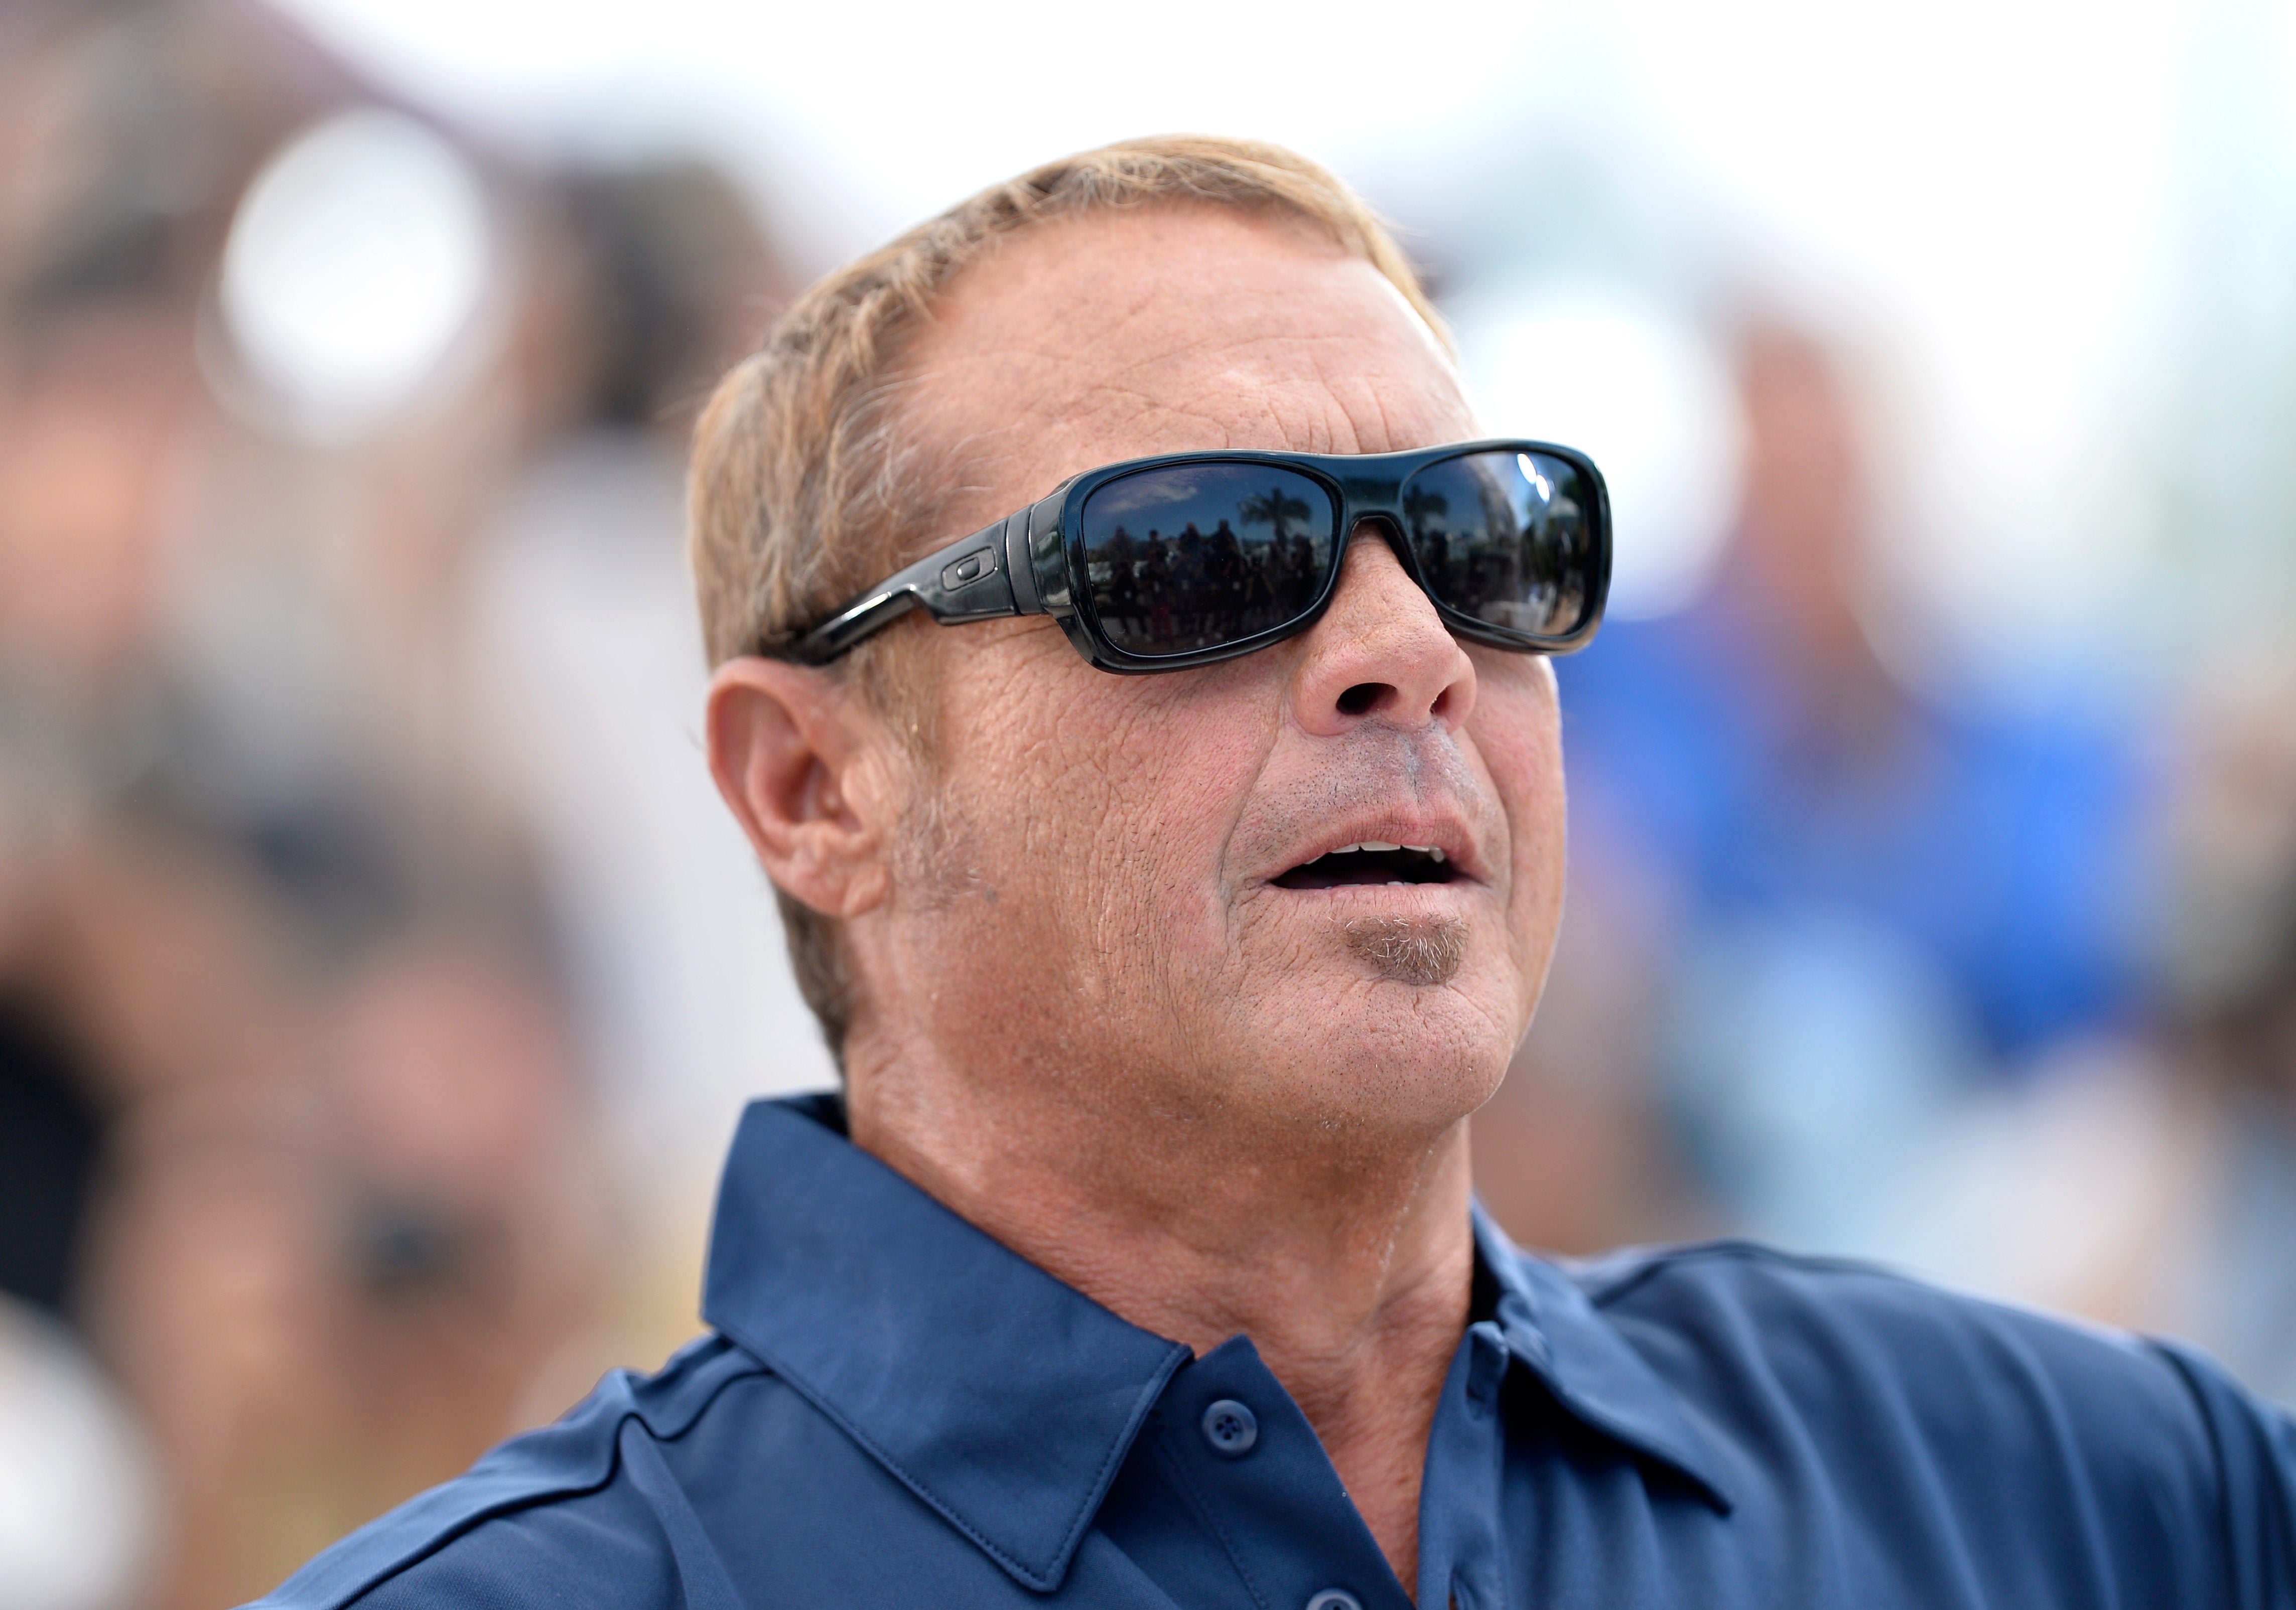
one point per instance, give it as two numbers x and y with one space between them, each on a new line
1347 1260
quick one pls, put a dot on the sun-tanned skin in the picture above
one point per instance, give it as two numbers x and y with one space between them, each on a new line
1090 1023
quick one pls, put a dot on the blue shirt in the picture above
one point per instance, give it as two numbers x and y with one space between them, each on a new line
894 1409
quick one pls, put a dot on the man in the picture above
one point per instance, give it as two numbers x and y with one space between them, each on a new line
1137 1264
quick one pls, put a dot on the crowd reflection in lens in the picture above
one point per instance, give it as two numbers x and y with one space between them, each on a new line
1195 557
1504 538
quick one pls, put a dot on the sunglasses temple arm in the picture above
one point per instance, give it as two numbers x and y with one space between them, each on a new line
967 581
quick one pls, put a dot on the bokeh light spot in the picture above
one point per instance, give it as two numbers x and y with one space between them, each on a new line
360 255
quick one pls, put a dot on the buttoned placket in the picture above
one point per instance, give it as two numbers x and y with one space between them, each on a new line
1248 1466
1462 1561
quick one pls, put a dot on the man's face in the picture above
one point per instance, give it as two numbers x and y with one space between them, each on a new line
1098 899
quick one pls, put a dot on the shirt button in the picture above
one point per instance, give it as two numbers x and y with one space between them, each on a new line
1335 1599
1232 1430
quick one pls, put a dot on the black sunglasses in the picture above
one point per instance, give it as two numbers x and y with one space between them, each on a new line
1159 564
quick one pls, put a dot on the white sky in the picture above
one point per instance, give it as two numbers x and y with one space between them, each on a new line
1857 126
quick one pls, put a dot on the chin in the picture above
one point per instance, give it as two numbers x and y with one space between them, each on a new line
1390 1056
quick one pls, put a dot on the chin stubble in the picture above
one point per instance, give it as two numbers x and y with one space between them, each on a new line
1410 949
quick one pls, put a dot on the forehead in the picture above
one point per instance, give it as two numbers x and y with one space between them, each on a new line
1171 328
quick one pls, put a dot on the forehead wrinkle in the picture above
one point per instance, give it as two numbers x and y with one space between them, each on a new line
1302 410
1231 341
1284 356
1106 335
1354 386
1335 392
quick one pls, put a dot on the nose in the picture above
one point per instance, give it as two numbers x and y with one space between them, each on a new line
1380 652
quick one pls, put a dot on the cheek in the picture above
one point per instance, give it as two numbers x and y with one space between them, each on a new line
1103 804
1166 765
1517 728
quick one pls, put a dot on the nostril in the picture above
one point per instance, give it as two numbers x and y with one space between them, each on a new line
1360 699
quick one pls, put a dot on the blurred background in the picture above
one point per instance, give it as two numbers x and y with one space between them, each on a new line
380 979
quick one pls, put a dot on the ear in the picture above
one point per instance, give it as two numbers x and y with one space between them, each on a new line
803 764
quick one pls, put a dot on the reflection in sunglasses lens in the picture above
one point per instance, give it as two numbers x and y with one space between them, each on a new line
1506 538
1200 556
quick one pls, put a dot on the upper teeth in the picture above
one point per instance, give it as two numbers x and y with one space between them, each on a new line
1373 844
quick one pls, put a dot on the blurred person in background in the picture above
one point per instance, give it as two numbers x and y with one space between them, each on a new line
301 1202
2152 1182
124 967
2231 990
585 662
1828 904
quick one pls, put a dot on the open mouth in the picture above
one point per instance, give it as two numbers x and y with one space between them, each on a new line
1371 862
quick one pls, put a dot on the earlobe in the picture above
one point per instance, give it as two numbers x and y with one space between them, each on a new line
791 749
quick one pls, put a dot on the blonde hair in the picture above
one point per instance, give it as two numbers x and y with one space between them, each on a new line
805 488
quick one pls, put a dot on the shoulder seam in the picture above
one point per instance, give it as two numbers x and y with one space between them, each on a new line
533 1494
1651 1262
510 1504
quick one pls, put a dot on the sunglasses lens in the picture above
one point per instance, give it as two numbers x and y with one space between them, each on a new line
1509 539
1190 557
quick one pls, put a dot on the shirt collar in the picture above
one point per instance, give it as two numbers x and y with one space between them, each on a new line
1005 1398
1554 1331
1001 1397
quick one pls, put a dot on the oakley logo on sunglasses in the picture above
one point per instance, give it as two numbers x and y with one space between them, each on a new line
1161 564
